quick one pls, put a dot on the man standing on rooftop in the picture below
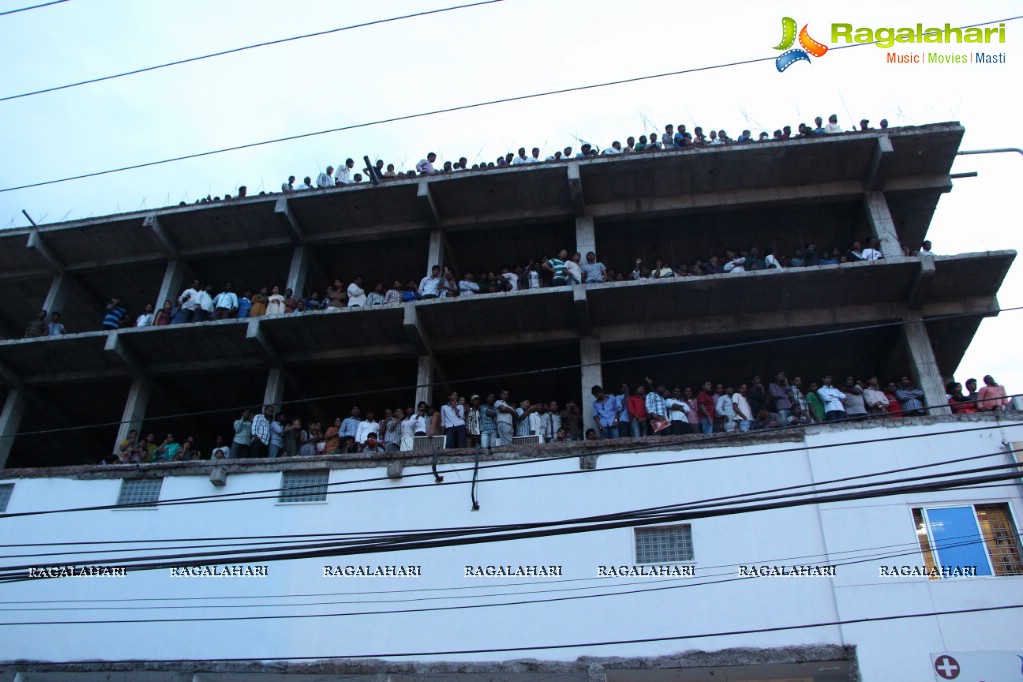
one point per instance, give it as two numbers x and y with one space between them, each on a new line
326 179
344 173
425 166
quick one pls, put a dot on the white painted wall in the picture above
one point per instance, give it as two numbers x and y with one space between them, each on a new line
887 651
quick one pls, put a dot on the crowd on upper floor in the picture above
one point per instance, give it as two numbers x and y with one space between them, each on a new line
672 139
494 420
199 303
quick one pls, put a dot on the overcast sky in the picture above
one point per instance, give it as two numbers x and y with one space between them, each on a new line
472 55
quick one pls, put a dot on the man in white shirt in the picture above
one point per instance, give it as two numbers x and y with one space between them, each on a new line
872 252
326 179
735 263
725 407
743 414
832 399
225 305
356 294
289 186
307 183
535 158
832 127
146 318
572 269
366 426
429 285
220 451
549 419
189 304
678 411
425 166
205 311
344 173
521 158
925 249
452 417
615 148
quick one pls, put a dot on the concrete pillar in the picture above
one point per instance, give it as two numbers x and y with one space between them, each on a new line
424 380
134 408
882 226
923 366
298 270
591 374
57 296
274 394
170 287
585 236
10 420
436 255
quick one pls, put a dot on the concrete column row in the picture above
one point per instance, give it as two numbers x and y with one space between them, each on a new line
923 367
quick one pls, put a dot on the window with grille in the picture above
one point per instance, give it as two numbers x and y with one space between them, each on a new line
5 496
304 486
981 535
142 491
664 544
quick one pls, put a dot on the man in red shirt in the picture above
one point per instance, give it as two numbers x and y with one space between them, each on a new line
637 413
705 404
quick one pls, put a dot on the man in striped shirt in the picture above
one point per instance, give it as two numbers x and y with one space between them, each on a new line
115 314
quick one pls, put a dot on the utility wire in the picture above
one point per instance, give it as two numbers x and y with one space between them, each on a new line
544 370
656 515
727 633
236 49
705 579
223 541
424 114
25 9
531 583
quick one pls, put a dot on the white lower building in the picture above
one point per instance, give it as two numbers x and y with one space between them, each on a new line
742 577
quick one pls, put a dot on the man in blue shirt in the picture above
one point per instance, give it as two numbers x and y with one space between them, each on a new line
350 426
605 413
115 314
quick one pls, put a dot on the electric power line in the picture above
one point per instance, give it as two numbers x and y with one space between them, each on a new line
25 9
236 49
656 515
906 549
434 112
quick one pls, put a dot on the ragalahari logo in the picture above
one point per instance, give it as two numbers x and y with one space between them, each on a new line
788 36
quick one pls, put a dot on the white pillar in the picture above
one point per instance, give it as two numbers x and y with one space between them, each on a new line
424 380
882 226
274 394
297 271
57 295
171 284
585 236
592 374
10 420
923 366
134 408
436 254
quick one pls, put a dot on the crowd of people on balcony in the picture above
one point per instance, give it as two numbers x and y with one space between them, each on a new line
199 303
494 420
673 139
